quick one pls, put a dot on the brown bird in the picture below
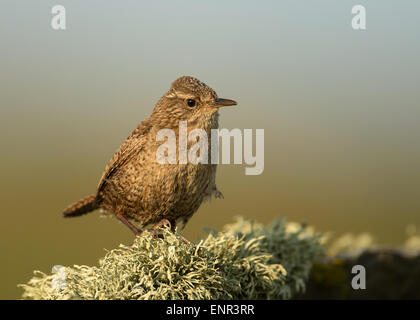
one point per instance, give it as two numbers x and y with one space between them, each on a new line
142 192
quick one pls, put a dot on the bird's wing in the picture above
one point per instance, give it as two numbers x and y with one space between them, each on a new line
131 146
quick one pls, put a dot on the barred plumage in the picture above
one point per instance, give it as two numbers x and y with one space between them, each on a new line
81 207
135 187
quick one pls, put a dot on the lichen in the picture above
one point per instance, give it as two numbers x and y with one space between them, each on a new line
244 261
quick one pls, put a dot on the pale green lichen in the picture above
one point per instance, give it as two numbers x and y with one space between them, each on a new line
245 261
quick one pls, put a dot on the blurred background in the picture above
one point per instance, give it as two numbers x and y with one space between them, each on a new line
340 110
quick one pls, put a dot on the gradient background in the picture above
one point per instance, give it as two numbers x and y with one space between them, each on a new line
340 109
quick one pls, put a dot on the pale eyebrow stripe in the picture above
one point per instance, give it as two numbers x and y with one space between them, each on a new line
179 95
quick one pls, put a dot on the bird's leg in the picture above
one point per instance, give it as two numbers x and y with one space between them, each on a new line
185 240
130 225
153 231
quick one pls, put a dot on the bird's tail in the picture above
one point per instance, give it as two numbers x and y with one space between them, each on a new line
81 207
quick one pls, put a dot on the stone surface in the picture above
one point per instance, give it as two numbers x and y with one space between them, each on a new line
390 274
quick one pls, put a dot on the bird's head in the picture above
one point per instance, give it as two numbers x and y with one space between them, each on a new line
189 99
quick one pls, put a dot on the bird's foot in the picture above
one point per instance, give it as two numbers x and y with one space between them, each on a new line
167 223
161 223
154 230
218 195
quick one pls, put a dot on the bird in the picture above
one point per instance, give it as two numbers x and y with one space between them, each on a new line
141 192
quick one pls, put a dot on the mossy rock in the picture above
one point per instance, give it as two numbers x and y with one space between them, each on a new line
244 261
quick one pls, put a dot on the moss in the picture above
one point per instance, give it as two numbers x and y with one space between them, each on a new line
244 261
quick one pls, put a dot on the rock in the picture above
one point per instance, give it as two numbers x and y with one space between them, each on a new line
390 274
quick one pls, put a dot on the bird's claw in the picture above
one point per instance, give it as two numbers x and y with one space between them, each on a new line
218 194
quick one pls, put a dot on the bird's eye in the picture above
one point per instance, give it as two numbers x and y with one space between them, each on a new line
191 102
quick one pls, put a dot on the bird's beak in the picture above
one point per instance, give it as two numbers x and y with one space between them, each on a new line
223 103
